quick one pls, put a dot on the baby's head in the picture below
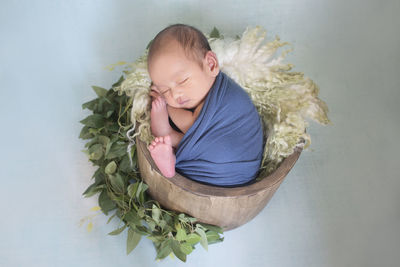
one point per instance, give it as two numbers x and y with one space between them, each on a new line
181 65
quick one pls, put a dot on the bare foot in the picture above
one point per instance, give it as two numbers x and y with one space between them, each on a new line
163 155
159 117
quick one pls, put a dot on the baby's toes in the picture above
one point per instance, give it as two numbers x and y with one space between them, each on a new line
167 140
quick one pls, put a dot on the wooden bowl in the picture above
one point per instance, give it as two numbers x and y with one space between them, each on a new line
225 207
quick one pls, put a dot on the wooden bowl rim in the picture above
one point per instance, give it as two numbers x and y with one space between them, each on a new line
215 191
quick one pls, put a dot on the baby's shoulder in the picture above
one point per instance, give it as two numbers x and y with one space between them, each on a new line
236 94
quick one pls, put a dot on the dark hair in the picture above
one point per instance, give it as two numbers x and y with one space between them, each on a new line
192 40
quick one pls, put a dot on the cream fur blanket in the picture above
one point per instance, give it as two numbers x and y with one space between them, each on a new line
283 98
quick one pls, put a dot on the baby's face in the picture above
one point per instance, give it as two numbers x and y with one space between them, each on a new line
179 79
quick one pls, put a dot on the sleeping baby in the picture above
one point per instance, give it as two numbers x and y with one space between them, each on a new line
206 126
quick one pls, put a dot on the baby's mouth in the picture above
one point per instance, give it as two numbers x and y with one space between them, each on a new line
182 102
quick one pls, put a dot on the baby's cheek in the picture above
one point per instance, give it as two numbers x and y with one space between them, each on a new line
171 102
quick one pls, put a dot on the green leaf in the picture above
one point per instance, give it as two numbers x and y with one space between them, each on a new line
113 128
92 142
152 225
141 212
104 140
105 203
142 230
155 213
192 239
117 183
214 33
93 189
99 176
91 105
141 188
125 165
95 131
105 99
118 231
132 240
203 238
133 218
111 167
116 151
182 217
163 224
192 220
142 194
132 189
121 79
140 191
99 91
177 250
165 249
111 217
85 134
212 228
213 237
156 238
94 120
186 248
109 113
168 219
181 235
108 146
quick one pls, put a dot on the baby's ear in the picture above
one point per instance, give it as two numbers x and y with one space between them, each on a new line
212 65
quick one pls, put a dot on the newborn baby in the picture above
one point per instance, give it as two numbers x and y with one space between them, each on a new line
205 124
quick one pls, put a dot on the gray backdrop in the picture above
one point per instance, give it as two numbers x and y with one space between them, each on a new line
339 206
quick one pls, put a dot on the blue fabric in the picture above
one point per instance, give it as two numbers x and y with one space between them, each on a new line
224 146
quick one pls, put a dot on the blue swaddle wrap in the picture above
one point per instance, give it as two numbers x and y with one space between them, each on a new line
224 146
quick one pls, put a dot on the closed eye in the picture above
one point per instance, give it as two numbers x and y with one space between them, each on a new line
165 91
183 81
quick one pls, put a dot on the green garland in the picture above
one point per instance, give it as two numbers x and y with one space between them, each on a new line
121 188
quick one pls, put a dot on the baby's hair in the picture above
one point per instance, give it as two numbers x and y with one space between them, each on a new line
193 42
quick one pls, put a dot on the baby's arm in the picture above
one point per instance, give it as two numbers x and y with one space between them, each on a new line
183 118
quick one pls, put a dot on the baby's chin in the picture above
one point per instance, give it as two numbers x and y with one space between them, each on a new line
186 105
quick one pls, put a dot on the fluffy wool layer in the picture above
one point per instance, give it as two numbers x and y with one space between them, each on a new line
283 98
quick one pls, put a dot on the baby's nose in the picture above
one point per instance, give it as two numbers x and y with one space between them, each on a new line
177 95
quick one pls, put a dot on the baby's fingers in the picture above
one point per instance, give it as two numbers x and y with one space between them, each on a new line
154 94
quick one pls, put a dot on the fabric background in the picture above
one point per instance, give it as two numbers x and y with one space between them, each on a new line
339 206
